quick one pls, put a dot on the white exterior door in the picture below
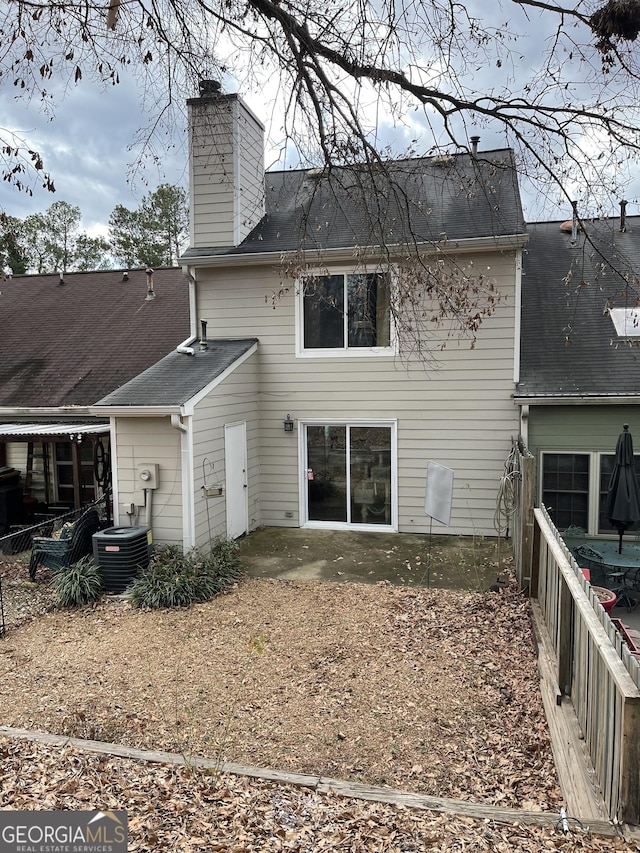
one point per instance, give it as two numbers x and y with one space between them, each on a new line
235 460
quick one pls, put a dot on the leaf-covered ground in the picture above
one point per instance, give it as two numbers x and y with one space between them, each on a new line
429 691
177 809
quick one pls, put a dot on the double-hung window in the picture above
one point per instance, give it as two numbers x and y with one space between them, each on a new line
345 312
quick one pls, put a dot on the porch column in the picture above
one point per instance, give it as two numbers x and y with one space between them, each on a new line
77 478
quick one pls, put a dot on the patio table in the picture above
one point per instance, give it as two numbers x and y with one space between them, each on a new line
628 559
621 571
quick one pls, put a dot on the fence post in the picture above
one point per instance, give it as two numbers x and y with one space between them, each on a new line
535 560
630 763
565 638
527 469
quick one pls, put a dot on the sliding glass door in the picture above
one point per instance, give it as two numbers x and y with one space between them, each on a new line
349 474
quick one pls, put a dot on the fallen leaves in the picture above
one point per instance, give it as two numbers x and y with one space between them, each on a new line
424 690
175 808
427 690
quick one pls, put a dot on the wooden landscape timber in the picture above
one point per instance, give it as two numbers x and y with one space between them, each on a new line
323 785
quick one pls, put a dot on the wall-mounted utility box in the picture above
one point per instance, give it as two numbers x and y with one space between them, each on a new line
148 475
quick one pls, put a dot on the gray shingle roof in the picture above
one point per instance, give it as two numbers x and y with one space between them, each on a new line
569 347
421 199
70 345
178 377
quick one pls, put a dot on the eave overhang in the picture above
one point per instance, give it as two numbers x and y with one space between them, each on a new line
396 252
579 400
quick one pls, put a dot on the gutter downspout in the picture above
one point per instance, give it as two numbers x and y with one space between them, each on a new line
184 346
186 480
517 319
524 424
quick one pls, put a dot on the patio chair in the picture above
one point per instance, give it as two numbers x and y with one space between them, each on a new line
587 558
73 543
604 575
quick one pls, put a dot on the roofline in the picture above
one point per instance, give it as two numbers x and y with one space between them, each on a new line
44 411
185 409
579 400
115 270
348 253
188 407
136 411
390 163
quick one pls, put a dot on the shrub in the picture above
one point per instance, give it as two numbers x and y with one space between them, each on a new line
174 579
78 584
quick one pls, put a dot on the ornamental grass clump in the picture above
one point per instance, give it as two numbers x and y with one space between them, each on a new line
78 584
174 579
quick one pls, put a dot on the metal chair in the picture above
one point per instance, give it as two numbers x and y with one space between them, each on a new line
73 543
587 558
601 573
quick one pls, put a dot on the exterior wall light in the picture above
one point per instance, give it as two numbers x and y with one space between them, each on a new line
288 424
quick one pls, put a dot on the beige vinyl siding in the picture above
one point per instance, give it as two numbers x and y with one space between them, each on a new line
233 401
150 440
226 201
459 413
212 202
250 196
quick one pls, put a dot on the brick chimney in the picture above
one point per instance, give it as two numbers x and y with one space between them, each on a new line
226 168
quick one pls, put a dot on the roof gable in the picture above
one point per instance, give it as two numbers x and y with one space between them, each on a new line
69 345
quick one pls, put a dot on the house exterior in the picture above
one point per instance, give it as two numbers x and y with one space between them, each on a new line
294 403
66 342
579 367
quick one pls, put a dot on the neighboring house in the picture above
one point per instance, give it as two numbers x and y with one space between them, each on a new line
65 343
296 406
580 367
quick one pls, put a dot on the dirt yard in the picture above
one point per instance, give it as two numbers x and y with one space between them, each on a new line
429 691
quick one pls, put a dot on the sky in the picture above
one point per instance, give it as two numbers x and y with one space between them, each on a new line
89 146
87 149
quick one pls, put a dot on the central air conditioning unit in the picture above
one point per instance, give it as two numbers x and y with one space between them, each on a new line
120 553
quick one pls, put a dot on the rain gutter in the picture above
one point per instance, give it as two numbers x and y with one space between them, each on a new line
509 242
583 400
135 411
43 411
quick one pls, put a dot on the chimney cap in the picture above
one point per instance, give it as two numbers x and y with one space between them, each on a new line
209 88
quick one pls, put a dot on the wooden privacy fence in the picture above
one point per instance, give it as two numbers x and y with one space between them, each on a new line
594 668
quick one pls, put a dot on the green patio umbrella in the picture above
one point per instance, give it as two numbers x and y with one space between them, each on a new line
623 495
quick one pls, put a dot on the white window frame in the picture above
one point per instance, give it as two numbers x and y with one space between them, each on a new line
345 351
626 322
593 512
302 467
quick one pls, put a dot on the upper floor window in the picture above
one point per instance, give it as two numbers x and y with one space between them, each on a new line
346 311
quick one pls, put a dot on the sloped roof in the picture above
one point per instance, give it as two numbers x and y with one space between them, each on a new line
422 199
69 345
569 347
178 377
